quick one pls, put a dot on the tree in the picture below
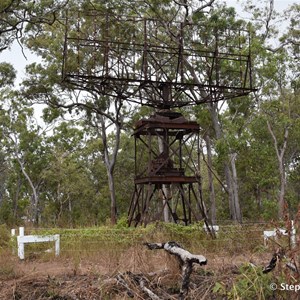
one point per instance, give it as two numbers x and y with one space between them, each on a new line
276 74
100 112
17 16
237 135
21 140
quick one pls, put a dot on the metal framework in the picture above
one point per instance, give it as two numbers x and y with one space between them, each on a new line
165 156
131 57
163 65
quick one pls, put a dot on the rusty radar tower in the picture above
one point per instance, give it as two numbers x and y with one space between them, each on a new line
165 65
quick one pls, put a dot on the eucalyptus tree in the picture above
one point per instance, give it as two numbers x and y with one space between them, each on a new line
16 15
104 114
276 64
7 77
218 21
72 195
22 141
277 73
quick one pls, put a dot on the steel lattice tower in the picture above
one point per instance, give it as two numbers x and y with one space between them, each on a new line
164 65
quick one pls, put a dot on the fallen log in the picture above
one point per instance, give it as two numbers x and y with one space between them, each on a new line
186 261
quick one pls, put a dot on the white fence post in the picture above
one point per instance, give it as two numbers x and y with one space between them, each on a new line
282 231
21 231
57 244
21 253
293 235
214 228
25 239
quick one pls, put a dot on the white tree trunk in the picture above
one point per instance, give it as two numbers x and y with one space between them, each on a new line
236 202
35 197
162 145
212 196
280 157
235 212
109 160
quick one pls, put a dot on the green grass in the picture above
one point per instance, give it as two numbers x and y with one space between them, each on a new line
87 241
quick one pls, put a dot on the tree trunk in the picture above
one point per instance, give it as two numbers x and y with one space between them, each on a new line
162 145
16 197
236 203
280 157
109 160
235 212
212 196
35 197
113 200
281 200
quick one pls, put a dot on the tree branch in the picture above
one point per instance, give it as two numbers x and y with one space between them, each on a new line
186 260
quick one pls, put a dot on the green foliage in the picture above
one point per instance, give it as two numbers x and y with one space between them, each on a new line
4 236
270 209
6 215
251 283
66 166
7 74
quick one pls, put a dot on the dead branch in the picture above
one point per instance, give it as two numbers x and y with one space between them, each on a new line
277 256
131 282
271 265
186 260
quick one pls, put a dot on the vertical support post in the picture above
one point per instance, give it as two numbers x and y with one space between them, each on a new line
180 153
293 235
145 61
13 234
181 53
135 156
57 245
217 58
249 60
149 151
186 221
21 231
21 250
189 204
78 40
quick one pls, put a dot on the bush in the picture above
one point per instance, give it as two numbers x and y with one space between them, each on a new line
4 236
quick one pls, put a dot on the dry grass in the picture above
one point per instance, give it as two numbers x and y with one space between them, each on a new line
9 265
91 261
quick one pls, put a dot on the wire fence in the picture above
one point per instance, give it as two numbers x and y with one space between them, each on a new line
230 238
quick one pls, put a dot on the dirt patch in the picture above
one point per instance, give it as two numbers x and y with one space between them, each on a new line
62 279
48 287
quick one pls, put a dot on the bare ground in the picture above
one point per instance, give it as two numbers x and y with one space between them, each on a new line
96 278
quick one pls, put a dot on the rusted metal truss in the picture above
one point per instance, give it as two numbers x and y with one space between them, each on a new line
132 57
164 146
166 154
149 201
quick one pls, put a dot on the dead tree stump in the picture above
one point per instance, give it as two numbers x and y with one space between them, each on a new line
186 260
